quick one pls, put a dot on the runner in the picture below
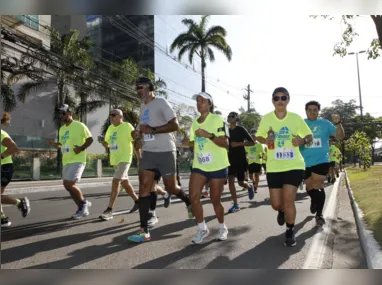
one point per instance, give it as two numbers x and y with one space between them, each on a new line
316 156
74 139
208 137
157 123
156 189
264 158
255 154
283 132
238 139
118 140
334 156
178 155
8 148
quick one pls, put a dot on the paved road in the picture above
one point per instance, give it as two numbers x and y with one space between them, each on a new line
47 238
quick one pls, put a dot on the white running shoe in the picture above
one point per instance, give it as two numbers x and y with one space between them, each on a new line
222 234
200 235
83 211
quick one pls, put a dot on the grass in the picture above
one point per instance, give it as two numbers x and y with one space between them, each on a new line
367 189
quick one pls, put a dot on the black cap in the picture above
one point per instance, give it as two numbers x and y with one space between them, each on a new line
280 89
143 80
233 114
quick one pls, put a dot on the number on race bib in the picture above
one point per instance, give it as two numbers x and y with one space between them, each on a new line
315 144
65 149
148 137
114 147
284 154
204 158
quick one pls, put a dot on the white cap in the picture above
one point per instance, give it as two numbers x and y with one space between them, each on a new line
204 95
117 111
64 108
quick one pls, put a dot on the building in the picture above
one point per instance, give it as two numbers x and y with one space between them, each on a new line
31 122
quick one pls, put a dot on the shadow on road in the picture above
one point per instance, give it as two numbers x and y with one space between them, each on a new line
269 254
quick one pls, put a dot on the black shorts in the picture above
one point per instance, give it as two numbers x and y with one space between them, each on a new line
332 164
319 169
254 168
157 176
279 179
6 174
238 168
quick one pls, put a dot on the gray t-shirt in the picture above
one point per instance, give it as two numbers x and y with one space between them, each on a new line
155 114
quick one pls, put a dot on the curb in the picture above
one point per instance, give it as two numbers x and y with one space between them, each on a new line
317 250
370 246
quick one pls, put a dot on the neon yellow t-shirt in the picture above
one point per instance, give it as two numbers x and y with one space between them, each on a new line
254 153
120 143
334 153
265 154
208 156
74 134
8 159
284 156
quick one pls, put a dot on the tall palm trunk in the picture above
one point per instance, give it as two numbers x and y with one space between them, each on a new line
203 74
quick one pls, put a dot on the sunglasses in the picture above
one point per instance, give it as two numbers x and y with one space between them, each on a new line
63 113
113 115
232 117
283 98
139 87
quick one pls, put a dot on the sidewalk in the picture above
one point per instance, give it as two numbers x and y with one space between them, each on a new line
347 249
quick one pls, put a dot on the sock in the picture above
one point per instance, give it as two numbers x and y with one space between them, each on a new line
153 201
165 195
222 226
290 227
152 212
110 209
321 197
182 196
18 202
136 201
83 202
144 206
202 226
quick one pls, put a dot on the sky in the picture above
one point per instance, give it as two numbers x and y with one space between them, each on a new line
295 52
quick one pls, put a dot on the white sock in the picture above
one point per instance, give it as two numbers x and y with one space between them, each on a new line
222 226
165 195
152 212
202 226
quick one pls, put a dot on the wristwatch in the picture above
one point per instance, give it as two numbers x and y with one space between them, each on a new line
212 137
2 157
305 140
154 130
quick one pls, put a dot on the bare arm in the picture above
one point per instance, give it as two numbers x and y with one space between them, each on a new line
340 133
11 147
171 126
261 140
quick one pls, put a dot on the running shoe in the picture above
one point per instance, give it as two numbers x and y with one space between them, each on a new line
140 236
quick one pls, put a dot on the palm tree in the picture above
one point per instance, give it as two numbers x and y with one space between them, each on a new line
160 86
199 40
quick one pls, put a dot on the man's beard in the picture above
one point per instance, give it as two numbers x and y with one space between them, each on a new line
144 97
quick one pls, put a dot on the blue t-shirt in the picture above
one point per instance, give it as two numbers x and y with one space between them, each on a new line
318 152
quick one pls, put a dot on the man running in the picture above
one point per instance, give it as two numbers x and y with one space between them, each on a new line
264 158
283 132
239 138
74 139
118 140
316 156
157 123
255 154
8 148
334 154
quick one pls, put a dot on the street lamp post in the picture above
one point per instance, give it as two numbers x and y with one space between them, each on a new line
359 81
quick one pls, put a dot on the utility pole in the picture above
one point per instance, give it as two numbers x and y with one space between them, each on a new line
248 96
359 81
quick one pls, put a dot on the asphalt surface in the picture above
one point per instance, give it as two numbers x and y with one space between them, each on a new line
48 238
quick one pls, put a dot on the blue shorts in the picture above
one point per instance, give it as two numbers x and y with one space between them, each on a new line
219 174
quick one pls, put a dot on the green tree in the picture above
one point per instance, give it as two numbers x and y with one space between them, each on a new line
186 115
250 120
359 144
349 33
199 40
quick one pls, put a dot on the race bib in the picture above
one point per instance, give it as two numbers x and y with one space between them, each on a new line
149 137
315 144
65 149
204 158
114 147
284 154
